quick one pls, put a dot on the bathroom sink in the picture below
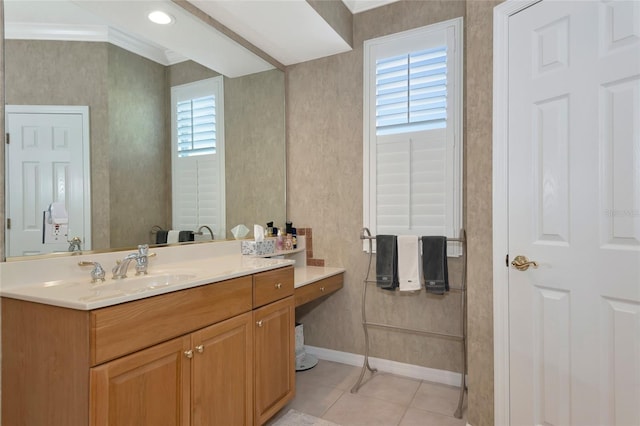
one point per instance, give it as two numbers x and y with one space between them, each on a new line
83 291
133 285
149 282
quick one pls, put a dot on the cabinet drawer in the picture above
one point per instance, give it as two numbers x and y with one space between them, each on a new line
122 329
318 289
272 285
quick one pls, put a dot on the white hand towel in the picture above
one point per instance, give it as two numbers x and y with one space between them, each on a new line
409 263
172 237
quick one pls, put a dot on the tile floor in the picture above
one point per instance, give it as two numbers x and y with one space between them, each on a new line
384 400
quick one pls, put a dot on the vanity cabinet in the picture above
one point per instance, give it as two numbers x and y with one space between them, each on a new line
274 358
216 354
223 373
148 387
274 342
201 379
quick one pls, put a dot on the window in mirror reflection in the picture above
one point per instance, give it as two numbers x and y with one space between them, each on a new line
197 157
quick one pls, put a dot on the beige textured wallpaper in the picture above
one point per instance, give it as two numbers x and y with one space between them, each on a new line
478 155
255 149
325 193
139 192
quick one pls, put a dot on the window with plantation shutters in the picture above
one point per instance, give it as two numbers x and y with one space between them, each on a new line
198 156
413 132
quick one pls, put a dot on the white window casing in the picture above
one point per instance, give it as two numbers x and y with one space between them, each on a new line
412 152
197 156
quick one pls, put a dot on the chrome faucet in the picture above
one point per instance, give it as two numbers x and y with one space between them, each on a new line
142 263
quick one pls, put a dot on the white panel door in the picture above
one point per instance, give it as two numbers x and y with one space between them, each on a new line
574 208
45 164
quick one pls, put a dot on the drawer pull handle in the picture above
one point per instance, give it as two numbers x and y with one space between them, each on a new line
188 354
200 348
321 288
259 323
279 285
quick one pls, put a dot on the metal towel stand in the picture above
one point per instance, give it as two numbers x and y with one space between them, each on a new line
365 234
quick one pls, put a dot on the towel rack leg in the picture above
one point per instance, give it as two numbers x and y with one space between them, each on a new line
365 366
463 382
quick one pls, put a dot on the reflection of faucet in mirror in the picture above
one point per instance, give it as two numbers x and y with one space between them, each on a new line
199 232
142 262
74 245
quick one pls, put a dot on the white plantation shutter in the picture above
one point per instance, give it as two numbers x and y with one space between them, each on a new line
413 133
198 156
411 184
197 198
196 126
411 91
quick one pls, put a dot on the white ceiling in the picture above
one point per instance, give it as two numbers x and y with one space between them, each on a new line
290 31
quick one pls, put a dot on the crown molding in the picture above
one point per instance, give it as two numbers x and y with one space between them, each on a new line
95 33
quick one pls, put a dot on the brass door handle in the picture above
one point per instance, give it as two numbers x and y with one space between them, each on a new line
521 263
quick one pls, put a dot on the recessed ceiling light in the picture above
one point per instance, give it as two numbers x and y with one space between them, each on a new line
160 17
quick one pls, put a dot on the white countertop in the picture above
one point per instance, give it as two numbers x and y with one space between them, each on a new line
310 274
59 281
83 295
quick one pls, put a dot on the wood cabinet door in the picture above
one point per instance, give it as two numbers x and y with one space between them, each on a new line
147 388
222 376
274 357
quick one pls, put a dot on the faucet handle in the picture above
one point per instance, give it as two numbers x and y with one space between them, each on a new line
142 262
98 272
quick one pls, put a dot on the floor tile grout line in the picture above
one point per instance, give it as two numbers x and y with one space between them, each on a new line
332 404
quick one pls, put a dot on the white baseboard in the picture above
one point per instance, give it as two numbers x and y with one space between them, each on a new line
394 367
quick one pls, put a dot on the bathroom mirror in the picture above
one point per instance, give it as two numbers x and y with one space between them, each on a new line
130 160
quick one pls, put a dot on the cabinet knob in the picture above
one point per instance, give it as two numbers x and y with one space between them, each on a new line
188 354
279 285
322 289
259 323
200 348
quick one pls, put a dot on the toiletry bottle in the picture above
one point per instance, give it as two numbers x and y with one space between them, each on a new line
294 235
279 241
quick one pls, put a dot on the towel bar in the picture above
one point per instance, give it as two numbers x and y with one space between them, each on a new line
365 234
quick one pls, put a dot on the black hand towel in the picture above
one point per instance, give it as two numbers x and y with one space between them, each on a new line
434 264
184 236
387 262
161 237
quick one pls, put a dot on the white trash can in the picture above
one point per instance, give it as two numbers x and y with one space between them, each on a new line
304 361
